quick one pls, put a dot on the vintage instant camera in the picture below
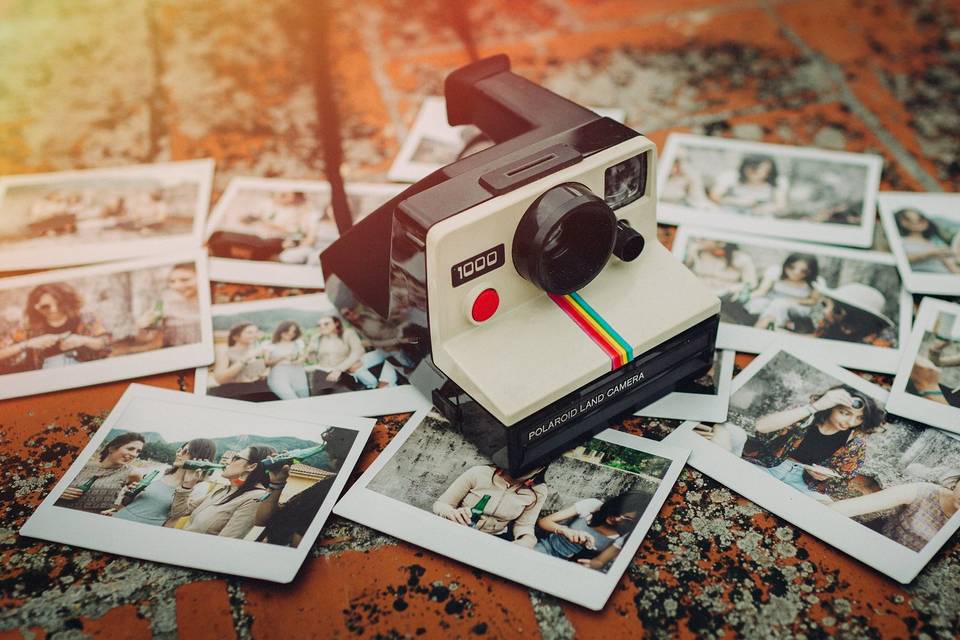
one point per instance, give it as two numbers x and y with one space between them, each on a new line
525 282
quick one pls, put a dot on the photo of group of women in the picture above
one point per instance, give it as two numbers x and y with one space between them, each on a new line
924 233
850 297
245 486
271 231
584 509
824 433
166 465
77 217
927 386
808 194
74 318
295 347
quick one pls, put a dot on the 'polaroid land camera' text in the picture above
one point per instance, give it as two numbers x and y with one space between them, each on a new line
496 278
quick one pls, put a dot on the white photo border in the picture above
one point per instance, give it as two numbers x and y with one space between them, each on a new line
847 354
697 406
841 234
80 253
889 202
847 535
369 402
914 407
135 365
207 552
560 578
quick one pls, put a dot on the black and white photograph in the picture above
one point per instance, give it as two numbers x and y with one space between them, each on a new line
569 528
298 347
271 231
776 190
923 230
811 442
82 217
204 482
433 144
927 385
702 398
76 327
847 305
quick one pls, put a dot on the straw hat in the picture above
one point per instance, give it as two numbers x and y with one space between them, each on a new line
860 296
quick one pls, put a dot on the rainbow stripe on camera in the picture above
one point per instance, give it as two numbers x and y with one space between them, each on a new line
598 329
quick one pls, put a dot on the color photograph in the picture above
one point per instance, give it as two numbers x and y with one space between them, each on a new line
776 190
166 466
923 230
96 215
568 528
847 305
704 398
812 443
75 327
927 385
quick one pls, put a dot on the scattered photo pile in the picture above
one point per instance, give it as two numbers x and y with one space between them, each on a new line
569 528
812 443
204 482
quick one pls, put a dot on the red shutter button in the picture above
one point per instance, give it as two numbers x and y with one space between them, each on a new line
485 305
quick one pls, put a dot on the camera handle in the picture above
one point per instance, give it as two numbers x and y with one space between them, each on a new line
504 105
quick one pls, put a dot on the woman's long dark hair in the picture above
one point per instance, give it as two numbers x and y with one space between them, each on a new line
235 331
627 502
119 441
850 324
198 449
813 268
283 327
296 515
932 230
69 303
755 160
872 414
258 477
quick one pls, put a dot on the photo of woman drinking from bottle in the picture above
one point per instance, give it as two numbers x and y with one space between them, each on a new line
489 499
152 504
229 511
96 487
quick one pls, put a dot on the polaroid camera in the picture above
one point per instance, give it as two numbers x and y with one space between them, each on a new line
524 286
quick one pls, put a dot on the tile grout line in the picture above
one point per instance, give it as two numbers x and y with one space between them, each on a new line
835 72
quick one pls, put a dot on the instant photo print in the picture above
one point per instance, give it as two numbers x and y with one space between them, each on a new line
799 193
527 279
207 483
570 527
927 385
845 305
811 443
923 230
287 349
704 398
70 328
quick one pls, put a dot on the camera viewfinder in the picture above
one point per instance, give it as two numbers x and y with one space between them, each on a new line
625 182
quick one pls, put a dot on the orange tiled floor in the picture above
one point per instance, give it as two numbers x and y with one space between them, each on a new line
294 88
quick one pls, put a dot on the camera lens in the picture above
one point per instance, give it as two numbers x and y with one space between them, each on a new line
564 239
